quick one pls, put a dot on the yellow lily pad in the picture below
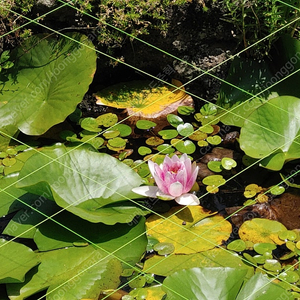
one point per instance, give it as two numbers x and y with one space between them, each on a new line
261 231
191 230
137 95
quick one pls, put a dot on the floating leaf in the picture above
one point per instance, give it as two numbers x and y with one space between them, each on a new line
228 163
9 161
165 149
50 77
204 283
261 231
198 136
214 180
109 134
124 129
144 150
117 142
214 140
237 245
187 147
274 124
140 98
208 109
289 276
202 143
185 129
154 141
272 265
107 120
168 134
99 180
277 190
90 124
11 151
262 248
262 198
251 190
174 120
188 238
145 124
215 166
86 272
287 235
206 129
260 287
67 134
186 110
16 261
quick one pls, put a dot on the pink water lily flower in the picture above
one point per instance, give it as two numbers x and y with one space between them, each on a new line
175 177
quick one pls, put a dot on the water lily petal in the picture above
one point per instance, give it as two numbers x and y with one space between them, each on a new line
175 189
146 190
187 199
151 166
192 177
162 196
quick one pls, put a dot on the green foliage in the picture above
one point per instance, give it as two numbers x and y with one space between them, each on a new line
272 131
220 283
255 20
41 92
94 185
133 17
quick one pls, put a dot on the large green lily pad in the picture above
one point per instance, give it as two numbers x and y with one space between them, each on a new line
273 131
16 261
48 80
70 274
84 182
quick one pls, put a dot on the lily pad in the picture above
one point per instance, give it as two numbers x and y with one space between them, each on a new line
272 131
185 129
200 283
206 129
174 120
214 180
190 237
109 134
185 110
165 149
168 134
154 141
85 274
228 163
144 150
277 190
107 120
90 124
97 181
145 124
214 140
16 261
124 129
261 231
187 147
215 166
48 87
237 245
117 142
262 248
